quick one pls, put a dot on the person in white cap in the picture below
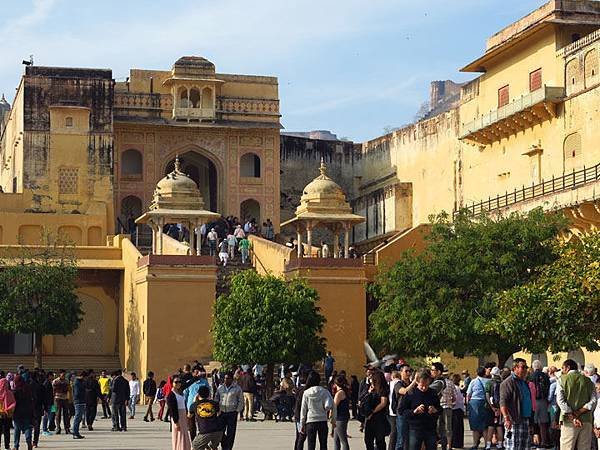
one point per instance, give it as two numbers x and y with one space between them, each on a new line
212 238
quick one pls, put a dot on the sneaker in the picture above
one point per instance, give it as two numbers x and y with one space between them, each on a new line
58 431
152 419
115 429
146 419
46 433
78 436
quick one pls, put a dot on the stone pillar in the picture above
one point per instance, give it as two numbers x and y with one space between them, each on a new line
299 239
154 237
159 248
192 234
336 244
309 240
346 240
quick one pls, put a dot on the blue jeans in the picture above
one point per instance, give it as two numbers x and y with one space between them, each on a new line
132 402
418 437
48 420
401 433
79 412
21 426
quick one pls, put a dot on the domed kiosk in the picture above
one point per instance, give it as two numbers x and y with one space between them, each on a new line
176 199
323 204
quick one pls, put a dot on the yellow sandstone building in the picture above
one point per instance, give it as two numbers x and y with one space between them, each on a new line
82 155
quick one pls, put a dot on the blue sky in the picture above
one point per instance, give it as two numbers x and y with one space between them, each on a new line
349 66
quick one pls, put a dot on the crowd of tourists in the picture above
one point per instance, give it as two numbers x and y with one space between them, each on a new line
396 407
39 403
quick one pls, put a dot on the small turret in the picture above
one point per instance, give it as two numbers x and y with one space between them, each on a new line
4 108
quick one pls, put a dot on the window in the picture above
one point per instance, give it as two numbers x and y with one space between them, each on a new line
535 80
503 96
575 37
207 98
194 98
131 163
68 180
68 122
250 165
573 153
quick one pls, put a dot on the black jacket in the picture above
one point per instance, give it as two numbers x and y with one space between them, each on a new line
78 391
92 391
149 387
48 395
119 390
423 421
172 408
38 393
24 407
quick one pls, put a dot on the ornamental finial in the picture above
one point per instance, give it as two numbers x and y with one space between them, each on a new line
323 167
177 164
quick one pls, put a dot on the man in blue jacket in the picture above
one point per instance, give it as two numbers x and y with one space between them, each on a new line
79 403
191 391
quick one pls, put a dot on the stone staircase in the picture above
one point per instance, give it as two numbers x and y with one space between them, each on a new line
224 274
67 362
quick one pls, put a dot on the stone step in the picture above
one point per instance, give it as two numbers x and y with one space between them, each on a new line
67 362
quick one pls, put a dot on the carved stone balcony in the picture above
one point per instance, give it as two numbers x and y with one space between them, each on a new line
193 113
520 114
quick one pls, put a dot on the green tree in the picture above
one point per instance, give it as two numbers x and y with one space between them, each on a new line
443 298
37 293
268 320
558 309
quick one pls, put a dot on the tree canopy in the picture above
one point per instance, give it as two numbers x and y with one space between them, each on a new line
37 293
268 320
444 298
558 309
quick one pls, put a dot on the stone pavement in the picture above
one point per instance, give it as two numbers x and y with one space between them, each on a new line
267 435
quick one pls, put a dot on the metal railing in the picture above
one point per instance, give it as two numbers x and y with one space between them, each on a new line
568 181
547 93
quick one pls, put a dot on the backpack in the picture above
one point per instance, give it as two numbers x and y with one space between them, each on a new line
542 385
495 393
448 395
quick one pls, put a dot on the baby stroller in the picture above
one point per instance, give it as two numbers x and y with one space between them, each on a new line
284 404
269 409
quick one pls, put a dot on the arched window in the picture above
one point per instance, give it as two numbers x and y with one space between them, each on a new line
183 98
591 67
131 163
572 76
130 206
194 98
68 122
250 165
250 209
207 98
573 153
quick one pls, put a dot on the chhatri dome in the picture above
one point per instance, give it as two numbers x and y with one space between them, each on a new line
323 204
177 191
323 196
176 199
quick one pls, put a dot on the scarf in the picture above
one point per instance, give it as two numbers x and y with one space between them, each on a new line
6 396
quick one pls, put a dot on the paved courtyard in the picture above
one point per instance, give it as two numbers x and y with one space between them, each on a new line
156 436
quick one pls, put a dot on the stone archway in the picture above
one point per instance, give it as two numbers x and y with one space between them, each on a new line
89 338
250 209
203 171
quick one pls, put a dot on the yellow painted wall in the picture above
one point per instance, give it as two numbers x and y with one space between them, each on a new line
269 257
178 317
342 299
